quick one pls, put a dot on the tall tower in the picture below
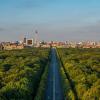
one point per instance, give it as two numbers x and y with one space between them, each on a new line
36 37
25 38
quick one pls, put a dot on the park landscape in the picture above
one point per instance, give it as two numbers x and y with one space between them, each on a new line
49 49
50 74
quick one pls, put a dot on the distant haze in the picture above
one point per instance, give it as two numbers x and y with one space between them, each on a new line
58 20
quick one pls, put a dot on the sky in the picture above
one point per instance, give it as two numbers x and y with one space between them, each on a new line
57 20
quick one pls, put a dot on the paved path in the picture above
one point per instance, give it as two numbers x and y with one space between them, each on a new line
54 90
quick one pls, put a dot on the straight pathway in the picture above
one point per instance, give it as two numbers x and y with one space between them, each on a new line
54 88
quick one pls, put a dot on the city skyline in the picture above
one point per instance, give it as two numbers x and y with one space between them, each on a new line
54 19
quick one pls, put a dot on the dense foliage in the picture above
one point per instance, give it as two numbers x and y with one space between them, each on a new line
21 72
42 86
80 73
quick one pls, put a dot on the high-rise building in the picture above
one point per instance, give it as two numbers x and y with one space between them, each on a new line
24 41
29 42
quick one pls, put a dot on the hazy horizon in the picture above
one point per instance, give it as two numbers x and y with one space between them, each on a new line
58 20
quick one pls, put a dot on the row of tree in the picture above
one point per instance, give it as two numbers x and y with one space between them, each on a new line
82 70
21 73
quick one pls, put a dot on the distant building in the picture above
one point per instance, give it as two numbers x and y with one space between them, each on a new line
72 44
1 47
24 41
29 42
11 46
45 46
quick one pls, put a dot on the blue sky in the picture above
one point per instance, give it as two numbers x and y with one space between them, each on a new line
54 19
